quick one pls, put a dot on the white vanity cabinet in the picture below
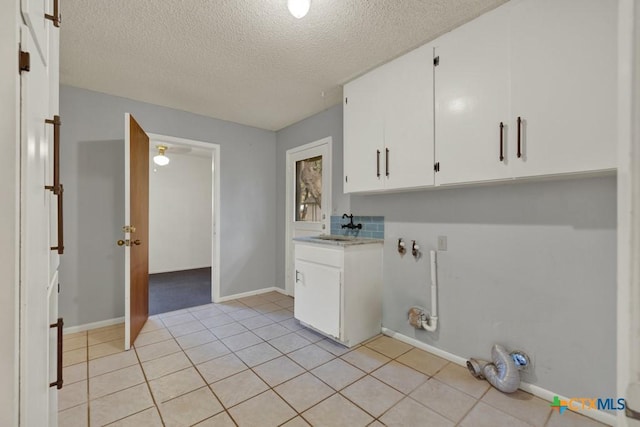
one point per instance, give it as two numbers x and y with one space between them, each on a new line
388 125
338 289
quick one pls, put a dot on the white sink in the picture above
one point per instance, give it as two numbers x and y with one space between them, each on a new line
334 238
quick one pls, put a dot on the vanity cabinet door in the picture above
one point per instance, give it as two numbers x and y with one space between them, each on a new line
318 296
563 86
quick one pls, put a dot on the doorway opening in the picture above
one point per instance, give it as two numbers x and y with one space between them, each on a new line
183 212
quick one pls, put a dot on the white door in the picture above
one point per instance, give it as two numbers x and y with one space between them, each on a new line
56 240
308 196
364 133
317 301
407 99
53 71
33 13
628 210
472 100
34 241
563 86
54 363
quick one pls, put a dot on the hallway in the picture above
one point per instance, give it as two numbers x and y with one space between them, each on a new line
179 289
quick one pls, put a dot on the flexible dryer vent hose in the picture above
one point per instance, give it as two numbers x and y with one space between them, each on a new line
503 373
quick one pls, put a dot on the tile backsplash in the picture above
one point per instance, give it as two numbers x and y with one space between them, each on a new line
372 226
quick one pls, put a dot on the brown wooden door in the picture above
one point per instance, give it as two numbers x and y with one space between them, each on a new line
137 218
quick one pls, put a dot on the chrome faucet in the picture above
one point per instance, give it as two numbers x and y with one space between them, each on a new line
351 225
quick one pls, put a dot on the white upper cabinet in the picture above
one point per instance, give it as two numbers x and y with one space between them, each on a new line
388 125
407 97
546 70
525 90
363 134
563 86
472 100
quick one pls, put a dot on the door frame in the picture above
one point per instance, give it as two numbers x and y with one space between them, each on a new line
628 250
155 138
326 166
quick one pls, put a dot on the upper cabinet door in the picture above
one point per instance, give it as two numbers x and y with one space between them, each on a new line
363 134
33 13
563 79
407 99
53 71
472 99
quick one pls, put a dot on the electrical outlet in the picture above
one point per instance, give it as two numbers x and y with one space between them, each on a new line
442 243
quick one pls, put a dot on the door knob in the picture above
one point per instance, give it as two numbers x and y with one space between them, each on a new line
128 242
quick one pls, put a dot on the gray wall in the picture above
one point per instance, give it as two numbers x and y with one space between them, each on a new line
321 125
529 265
92 171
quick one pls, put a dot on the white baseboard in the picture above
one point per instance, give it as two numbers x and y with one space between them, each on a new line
173 270
252 293
537 391
109 322
94 325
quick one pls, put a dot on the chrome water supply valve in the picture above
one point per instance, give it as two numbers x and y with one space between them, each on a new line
415 249
401 246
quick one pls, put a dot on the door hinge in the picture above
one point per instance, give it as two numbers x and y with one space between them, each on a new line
436 61
24 61
346 100
346 178
436 167
58 287
128 229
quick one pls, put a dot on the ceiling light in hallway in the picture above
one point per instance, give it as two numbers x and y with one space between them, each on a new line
161 159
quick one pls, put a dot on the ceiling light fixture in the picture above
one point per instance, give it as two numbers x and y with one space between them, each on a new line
161 159
299 8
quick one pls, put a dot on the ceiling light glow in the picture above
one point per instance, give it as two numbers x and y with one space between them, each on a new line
299 8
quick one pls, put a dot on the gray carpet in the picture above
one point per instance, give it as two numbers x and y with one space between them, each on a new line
179 289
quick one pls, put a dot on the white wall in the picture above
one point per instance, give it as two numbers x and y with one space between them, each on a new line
180 213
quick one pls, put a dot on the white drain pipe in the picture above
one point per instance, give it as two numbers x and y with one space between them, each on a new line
431 322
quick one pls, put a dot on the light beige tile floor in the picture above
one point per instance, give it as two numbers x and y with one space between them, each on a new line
250 363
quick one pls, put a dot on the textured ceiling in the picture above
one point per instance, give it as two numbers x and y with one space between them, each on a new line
247 61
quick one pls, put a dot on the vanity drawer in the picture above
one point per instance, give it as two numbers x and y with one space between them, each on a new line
333 256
